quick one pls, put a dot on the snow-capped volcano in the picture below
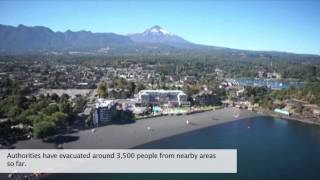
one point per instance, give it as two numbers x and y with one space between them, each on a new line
157 30
157 34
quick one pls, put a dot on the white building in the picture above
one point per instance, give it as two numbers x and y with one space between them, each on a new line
171 97
104 110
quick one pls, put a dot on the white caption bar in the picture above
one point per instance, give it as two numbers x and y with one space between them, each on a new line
119 161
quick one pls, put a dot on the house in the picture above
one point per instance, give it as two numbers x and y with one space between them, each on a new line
190 79
316 112
273 75
261 74
117 93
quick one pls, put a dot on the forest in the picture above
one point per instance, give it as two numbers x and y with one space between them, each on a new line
292 67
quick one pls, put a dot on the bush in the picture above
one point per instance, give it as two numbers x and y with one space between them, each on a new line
43 129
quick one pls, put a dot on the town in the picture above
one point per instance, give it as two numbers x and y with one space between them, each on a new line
178 89
71 94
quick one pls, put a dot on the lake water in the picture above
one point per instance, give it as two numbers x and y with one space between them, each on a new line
273 84
267 149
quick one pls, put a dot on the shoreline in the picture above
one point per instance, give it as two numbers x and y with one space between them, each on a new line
291 118
134 135
306 121
125 136
117 136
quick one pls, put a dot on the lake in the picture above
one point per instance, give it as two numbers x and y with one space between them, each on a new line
273 84
268 148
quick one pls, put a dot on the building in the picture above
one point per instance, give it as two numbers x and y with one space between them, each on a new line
206 98
261 74
190 79
117 93
104 111
159 97
273 75
316 112
282 111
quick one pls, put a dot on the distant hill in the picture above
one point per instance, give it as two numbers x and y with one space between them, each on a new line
23 39
153 41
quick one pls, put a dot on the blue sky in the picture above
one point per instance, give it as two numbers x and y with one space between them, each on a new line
281 25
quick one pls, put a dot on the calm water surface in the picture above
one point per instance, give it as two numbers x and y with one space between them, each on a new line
267 149
273 84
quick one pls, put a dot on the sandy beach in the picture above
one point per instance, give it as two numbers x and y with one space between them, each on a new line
124 136
119 136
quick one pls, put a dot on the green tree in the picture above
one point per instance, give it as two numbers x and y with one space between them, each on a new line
55 97
44 128
14 111
66 108
80 103
64 98
102 90
60 119
140 87
52 108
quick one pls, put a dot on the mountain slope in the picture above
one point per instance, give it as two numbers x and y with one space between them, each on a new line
23 39
156 34
153 41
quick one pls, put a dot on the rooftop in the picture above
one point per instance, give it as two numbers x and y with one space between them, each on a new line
160 91
104 103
